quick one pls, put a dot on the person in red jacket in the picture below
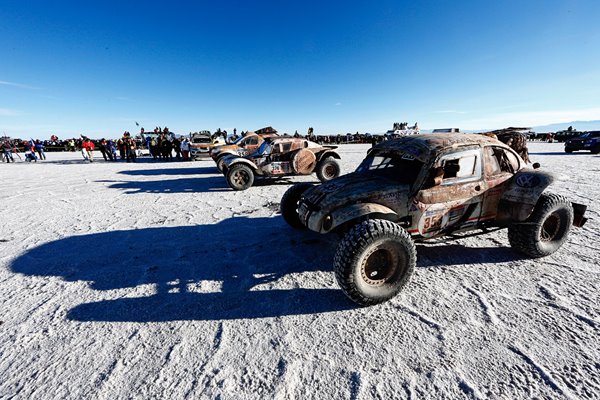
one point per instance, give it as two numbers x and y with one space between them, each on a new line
87 149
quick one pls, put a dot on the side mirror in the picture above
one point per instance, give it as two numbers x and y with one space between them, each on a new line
536 165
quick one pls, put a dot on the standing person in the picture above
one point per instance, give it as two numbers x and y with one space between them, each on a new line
185 149
39 148
111 150
102 148
177 147
153 147
130 149
87 149
167 149
7 151
121 146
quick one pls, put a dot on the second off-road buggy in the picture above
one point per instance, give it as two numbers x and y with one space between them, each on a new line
242 147
280 156
425 186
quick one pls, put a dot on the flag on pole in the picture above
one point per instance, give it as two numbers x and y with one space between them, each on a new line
136 124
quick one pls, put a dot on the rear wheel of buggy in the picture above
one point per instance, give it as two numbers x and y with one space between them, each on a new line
546 229
374 261
328 169
289 204
240 177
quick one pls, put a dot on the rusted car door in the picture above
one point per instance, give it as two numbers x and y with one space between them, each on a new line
455 200
500 165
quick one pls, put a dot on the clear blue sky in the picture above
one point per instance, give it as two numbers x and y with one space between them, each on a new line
73 67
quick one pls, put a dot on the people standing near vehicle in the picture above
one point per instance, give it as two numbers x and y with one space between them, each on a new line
39 148
185 149
87 150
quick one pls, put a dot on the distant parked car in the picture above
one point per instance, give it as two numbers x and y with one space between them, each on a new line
588 141
201 143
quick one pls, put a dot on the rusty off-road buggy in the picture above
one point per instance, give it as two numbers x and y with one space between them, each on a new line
421 187
242 147
280 156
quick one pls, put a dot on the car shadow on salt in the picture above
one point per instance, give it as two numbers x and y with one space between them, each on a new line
239 268
192 170
437 255
190 185
181 185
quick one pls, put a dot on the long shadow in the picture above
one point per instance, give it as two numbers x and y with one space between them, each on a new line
182 185
454 254
189 185
205 272
171 171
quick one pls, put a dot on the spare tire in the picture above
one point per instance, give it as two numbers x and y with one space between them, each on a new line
304 162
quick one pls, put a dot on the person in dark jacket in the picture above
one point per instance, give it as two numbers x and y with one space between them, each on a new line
102 148
39 148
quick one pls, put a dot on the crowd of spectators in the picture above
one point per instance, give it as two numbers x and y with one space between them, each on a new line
161 144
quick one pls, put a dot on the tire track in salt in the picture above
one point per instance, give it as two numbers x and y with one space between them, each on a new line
217 340
488 310
545 375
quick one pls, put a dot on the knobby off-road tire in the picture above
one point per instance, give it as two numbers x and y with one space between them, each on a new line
327 169
289 204
546 229
240 177
374 261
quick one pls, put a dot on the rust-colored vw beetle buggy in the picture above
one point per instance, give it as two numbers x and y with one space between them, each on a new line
426 186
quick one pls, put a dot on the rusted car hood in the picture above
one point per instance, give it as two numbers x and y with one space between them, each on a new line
358 187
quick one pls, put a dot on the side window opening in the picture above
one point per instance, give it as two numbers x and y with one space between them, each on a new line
507 160
492 165
461 166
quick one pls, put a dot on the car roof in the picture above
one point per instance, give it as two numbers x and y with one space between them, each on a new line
422 147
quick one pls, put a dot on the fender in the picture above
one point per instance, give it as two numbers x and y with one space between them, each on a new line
326 223
521 194
229 161
329 153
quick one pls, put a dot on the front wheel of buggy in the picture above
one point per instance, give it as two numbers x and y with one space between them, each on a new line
374 261
328 169
220 164
545 230
240 177
289 204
